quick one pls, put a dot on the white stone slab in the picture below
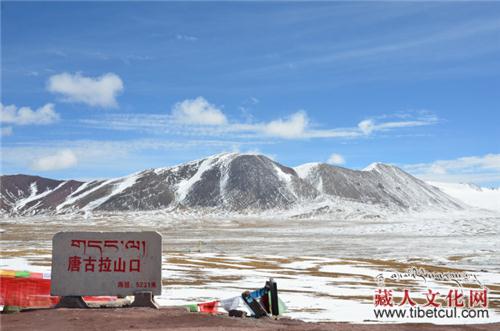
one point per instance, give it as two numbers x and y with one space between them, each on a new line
106 263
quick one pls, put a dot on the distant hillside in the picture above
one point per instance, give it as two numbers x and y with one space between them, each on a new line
473 195
231 182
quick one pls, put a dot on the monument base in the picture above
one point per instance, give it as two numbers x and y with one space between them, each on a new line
144 299
72 302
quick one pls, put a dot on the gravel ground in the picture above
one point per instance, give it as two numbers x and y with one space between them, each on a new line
180 319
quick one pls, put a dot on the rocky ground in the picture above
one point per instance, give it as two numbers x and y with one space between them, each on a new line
180 319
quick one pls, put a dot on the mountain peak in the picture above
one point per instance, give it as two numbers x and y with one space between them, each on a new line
381 167
223 155
374 166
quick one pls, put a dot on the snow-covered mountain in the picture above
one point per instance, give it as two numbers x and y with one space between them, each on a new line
379 183
229 182
21 194
472 195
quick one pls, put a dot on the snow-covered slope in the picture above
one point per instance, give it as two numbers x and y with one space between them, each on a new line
23 194
229 182
243 181
377 184
472 195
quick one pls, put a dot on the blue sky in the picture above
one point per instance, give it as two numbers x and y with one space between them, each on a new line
93 90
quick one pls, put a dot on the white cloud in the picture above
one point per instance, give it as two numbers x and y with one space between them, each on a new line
62 159
25 115
366 126
292 127
404 124
336 159
94 91
422 47
114 157
437 169
185 37
478 169
6 131
198 111
197 117
297 127
488 161
369 126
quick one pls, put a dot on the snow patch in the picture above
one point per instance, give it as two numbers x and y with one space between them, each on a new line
184 187
34 196
72 197
371 166
120 185
287 178
480 197
305 169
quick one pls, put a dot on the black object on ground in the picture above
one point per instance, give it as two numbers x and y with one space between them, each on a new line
72 302
237 313
273 288
254 305
263 301
144 299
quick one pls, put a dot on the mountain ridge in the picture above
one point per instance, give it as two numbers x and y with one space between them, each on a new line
233 182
